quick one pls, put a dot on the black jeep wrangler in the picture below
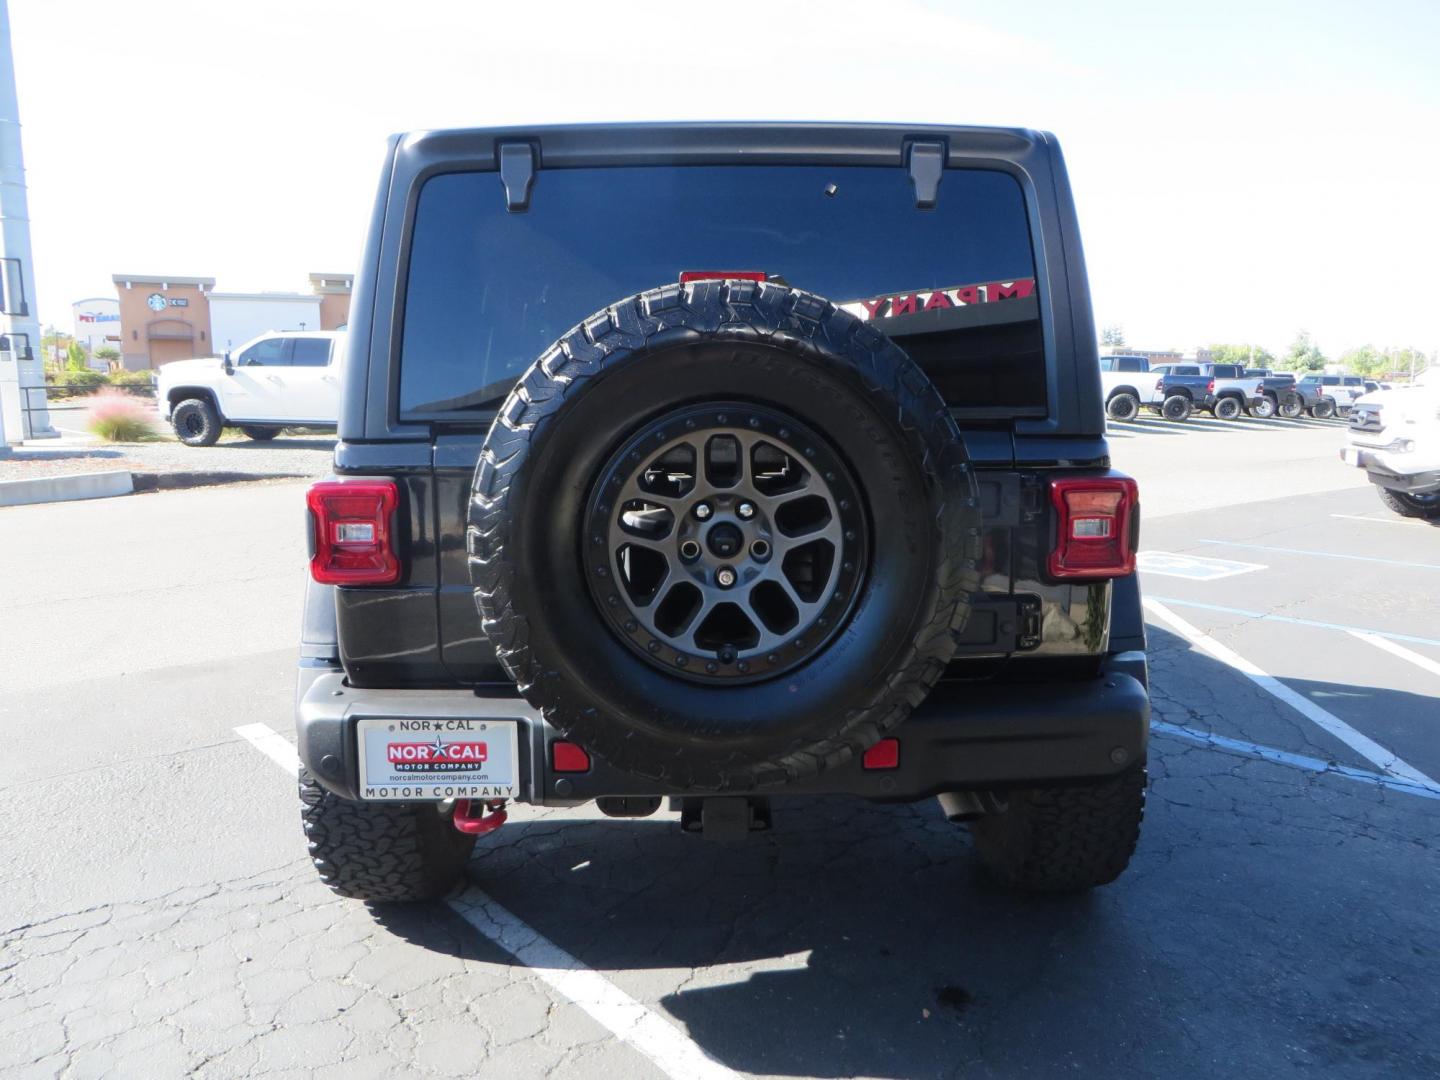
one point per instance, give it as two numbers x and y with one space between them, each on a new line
718 462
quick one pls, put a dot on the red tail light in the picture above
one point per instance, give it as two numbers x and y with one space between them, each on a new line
352 539
1210 387
1159 384
568 757
721 275
1095 527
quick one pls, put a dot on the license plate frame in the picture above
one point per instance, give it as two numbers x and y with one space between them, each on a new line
409 759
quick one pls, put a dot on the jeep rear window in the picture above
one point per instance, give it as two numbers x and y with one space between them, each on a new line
488 290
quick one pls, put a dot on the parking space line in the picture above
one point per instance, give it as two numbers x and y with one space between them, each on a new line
1294 621
1378 520
1325 554
626 1018
1296 761
1422 662
272 744
1362 744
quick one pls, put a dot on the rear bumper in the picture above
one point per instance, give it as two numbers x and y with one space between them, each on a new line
966 736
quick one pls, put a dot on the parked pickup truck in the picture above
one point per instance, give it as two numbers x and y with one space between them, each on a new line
795 484
1394 435
1125 385
1325 395
1222 390
1278 396
277 380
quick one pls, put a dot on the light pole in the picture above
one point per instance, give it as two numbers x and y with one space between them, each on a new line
18 322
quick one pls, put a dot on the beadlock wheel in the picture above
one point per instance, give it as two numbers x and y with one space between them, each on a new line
734 539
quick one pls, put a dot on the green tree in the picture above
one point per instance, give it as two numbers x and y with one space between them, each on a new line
1113 336
1304 354
109 355
1365 360
75 358
1249 355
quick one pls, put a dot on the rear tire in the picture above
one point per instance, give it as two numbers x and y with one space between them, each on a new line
1064 839
1177 407
1425 506
259 434
196 422
1292 409
1122 406
382 851
1323 409
1227 408
1264 408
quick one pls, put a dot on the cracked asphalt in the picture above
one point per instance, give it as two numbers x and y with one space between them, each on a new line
158 916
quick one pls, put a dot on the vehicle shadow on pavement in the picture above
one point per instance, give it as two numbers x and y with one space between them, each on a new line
859 939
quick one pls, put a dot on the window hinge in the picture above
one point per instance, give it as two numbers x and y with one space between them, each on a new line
517 173
927 165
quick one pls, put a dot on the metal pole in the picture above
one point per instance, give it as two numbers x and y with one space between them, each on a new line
15 242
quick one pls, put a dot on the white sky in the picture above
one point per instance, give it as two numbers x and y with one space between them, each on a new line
1239 175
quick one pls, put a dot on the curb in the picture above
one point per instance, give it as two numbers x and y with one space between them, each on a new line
47 489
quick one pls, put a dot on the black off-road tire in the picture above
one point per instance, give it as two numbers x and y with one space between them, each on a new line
382 851
1063 839
641 359
1323 409
1122 406
259 434
1291 409
1426 507
1227 408
196 422
1177 407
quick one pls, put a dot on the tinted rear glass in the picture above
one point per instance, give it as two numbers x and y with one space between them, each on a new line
488 291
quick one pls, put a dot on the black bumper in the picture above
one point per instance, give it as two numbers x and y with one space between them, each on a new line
966 736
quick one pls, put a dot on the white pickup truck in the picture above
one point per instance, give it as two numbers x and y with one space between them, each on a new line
277 380
1123 384
1394 435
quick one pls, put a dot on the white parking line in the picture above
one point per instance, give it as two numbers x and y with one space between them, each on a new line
629 1020
1296 761
1378 520
1362 744
1294 621
1422 662
1324 554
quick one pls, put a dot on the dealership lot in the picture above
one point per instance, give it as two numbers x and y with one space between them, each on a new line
160 918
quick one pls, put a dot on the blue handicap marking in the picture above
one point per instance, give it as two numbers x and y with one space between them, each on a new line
1194 567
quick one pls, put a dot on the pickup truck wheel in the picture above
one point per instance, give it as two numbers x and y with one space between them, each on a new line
259 434
196 422
1292 409
1323 409
1177 407
776 526
1412 506
1063 839
1122 406
1227 408
382 851
1264 408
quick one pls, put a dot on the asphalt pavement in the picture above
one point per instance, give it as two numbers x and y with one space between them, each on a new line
158 916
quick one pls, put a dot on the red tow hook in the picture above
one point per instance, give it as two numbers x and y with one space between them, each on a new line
467 820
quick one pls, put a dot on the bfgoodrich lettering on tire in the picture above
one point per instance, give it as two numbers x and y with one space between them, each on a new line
801 496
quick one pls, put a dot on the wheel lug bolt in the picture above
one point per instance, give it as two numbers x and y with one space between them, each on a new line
725 577
703 511
746 510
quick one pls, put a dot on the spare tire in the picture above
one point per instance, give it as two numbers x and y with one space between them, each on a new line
722 535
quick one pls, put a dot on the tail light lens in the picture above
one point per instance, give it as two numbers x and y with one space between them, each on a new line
1210 387
1096 527
352 534
1159 384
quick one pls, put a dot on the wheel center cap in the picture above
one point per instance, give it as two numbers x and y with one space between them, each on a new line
724 540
